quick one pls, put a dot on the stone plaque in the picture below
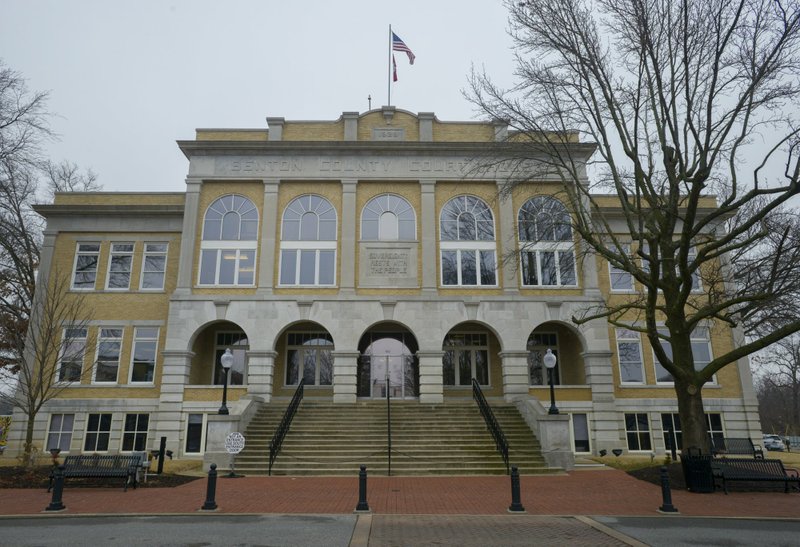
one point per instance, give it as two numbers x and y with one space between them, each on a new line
388 134
388 264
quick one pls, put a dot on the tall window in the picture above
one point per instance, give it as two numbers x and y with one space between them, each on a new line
108 351
621 280
238 344
580 432
308 355
466 356
228 250
143 365
86 259
388 218
701 351
538 344
119 266
629 354
308 242
73 347
154 266
467 245
671 422
98 431
637 430
59 435
134 437
546 245
195 433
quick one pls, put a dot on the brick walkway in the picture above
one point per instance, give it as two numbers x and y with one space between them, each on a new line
584 492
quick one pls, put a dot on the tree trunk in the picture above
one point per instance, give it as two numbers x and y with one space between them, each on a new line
694 428
28 449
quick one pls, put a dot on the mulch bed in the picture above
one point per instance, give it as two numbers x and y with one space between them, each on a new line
676 481
39 477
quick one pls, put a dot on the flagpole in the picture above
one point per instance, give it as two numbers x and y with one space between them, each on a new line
389 64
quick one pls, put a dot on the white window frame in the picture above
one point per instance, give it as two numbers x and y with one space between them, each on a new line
64 340
79 253
612 271
137 338
318 245
557 248
116 252
220 246
694 339
152 253
100 339
638 431
471 348
203 427
629 336
543 349
134 432
98 431
61 432
220 349
400 207
478 247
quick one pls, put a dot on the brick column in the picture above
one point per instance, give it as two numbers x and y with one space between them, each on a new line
188 239
506 242
348 244
174 376
430 262
268 248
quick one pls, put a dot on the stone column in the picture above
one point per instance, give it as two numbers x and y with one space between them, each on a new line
515 375
188 235
431 381
174 376
430 262
345 376
260 370
606 418
348 244
507 242
268 247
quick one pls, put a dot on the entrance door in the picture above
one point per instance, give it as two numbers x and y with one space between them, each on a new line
389 372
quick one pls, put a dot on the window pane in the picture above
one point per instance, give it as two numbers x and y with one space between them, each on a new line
566 264
580 431
482 367
369 230
194 433
448 368
308 227
293 367
307 267
548 259
288 267
227 267
230 226
327 267
468 274
325 368
464 368
488 276
466 227
529 276
310 366
246 267
208 267
449 268
389 228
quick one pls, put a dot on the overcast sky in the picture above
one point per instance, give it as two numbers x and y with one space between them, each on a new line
129 79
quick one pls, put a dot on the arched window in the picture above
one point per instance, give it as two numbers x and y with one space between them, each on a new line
388 218
547 249
308 242
467 246
228 248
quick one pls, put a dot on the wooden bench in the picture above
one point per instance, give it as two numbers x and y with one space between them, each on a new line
754 470
736 446
124 466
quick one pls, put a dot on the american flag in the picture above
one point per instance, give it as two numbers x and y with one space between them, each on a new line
394 69
400 45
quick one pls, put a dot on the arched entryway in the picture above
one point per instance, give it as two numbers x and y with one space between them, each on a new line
388 363
471 351
566 346
209 345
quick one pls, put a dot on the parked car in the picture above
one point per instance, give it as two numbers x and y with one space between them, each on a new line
774 442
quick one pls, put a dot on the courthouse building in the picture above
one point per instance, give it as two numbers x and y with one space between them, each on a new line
344 253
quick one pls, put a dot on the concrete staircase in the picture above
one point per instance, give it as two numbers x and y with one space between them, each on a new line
335 439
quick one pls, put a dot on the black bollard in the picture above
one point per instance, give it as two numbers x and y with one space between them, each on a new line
362 490
211 490
666 493
58 490
516 504
161 450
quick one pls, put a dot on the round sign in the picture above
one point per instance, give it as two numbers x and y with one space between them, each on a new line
234 443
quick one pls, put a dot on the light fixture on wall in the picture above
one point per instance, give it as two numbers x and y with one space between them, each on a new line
550 362
227 362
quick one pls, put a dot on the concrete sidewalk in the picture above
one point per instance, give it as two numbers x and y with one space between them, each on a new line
581 492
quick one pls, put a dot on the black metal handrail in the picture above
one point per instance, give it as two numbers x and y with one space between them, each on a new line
283 427
491 422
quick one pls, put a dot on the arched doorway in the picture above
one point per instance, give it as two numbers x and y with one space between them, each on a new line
388 363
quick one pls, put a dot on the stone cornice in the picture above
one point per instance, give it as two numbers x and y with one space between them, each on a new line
137 210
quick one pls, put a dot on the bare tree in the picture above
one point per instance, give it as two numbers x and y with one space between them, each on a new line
53 352
24 119
68 177
779 387
691 107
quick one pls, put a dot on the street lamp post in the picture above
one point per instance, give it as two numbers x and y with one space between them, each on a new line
550 363
227 362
